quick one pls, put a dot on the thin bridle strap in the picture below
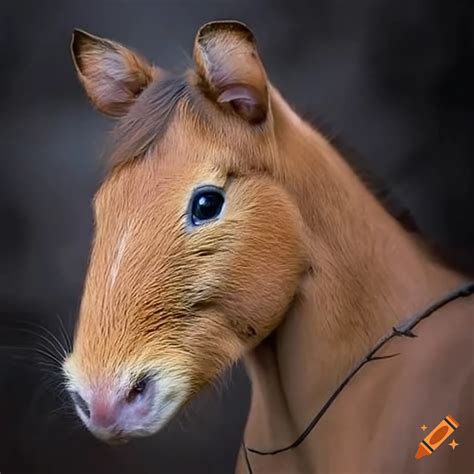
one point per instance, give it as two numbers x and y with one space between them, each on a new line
404 329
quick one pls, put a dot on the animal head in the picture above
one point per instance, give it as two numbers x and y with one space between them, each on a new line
199 248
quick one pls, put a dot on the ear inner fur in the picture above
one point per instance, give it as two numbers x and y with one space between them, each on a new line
112 75
230 69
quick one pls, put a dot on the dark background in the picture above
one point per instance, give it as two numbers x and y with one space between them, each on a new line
393 79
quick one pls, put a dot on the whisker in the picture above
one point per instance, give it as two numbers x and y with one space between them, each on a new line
40 351
66 336
54 341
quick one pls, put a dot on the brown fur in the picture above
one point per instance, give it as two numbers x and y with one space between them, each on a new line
304 272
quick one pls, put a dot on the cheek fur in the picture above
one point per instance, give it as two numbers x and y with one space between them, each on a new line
201 299
248 266
261 259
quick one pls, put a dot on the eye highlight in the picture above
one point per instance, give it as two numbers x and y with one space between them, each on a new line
206 205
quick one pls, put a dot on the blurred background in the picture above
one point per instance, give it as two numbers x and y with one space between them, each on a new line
394 80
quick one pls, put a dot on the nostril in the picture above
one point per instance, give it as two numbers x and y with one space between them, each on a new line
81 403
138 389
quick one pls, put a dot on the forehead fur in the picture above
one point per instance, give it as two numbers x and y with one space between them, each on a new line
176 101
148 119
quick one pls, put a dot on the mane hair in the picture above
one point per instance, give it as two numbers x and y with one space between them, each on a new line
373 182
458 259
378 187
147 120
149 117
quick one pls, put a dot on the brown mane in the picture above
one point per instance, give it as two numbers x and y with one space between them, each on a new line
148 119
373 182
233 229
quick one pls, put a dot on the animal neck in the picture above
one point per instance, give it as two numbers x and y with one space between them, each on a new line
367 274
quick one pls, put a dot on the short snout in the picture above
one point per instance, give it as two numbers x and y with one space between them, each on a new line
117 406
115 415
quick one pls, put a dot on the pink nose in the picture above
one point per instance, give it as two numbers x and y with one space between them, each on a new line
104 412
116 411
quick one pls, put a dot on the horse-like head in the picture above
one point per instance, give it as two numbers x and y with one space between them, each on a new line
199 248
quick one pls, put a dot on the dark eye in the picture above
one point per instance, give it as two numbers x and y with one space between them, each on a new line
206 205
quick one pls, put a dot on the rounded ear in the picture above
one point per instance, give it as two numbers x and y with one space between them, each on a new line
112 75
230 70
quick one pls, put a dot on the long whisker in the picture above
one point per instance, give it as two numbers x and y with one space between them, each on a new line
60 344
47 344
49 356
66 336
45 354
42 351
54 341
